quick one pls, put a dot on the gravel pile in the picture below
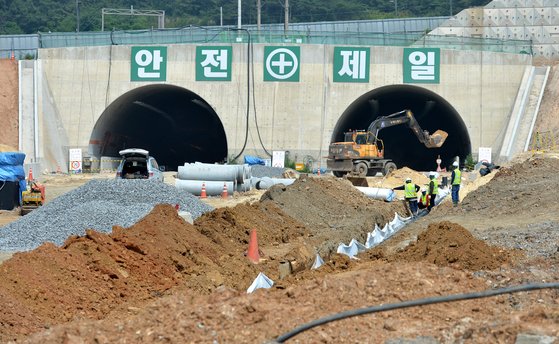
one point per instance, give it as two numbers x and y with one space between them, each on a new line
98 205
536 240
260 171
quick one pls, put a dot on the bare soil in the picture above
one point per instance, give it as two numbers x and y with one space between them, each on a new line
166 280
9 113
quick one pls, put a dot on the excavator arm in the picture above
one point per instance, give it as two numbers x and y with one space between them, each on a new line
435 140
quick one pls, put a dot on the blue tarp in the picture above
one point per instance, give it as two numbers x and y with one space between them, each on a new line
11 169
11 166
253 160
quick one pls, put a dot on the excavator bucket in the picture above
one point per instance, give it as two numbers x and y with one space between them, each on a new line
437 139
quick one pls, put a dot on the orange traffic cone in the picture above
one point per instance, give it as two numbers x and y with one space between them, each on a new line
224 192
319 171
253 252
13 57
30 176
177 207
203 192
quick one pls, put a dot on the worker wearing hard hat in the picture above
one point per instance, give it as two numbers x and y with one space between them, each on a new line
423 199
433 190
455 180
410 194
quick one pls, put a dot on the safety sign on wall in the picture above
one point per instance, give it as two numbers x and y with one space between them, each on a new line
148 64
75 159
484 154
351 64
281 63
213 63
422 65
278 159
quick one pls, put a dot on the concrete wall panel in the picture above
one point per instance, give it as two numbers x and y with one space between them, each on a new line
295 116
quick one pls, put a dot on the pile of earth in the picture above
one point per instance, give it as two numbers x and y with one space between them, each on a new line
526 187
449 244
9 114
229 316
99 275
333 209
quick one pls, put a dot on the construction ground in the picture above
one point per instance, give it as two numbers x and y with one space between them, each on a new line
165 280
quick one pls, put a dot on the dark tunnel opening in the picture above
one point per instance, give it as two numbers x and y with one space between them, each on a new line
401 145
174 124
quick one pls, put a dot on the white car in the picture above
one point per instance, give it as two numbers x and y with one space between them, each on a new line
136 163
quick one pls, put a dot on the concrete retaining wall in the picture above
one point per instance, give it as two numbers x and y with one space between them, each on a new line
294 116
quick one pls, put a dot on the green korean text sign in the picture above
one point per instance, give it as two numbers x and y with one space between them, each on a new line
213 63
351 64
422 65
148 64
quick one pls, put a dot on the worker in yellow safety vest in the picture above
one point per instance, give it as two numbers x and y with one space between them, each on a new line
423 199
455 180
410 194
433 190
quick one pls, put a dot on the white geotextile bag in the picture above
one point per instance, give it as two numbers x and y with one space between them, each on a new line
441 195
318 262
261 281
375 237
352 249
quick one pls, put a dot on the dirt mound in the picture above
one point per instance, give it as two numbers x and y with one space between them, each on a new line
9 104
231 317
94 275
235 224
332 209
6 148
449 244
98 275
519 188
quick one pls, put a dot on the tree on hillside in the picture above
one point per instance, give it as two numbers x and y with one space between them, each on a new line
22 16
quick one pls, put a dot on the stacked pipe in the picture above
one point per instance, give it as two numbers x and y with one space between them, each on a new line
191 176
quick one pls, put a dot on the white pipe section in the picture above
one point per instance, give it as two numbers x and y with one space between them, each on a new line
244 187
377 193
213 188
537 109
212 172
266 182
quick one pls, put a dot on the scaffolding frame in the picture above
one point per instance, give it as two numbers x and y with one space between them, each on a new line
160 14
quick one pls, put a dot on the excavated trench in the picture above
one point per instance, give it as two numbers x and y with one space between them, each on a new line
401 145
177 126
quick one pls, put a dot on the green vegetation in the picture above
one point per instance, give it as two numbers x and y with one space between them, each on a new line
469 163
22 16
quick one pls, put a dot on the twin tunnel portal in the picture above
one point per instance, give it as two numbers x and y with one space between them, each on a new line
177 126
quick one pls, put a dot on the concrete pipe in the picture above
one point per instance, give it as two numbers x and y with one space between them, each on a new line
377 193
266 182
244 187
211 172
213 188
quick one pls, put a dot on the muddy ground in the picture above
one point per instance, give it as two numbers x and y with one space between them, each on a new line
164 280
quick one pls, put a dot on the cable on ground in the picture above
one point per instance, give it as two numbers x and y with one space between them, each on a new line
406 304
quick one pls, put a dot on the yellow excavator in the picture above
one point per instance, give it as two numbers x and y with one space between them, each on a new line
362 151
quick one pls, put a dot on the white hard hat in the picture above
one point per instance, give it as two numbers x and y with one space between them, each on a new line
423 190
455 164
432 174
408 179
